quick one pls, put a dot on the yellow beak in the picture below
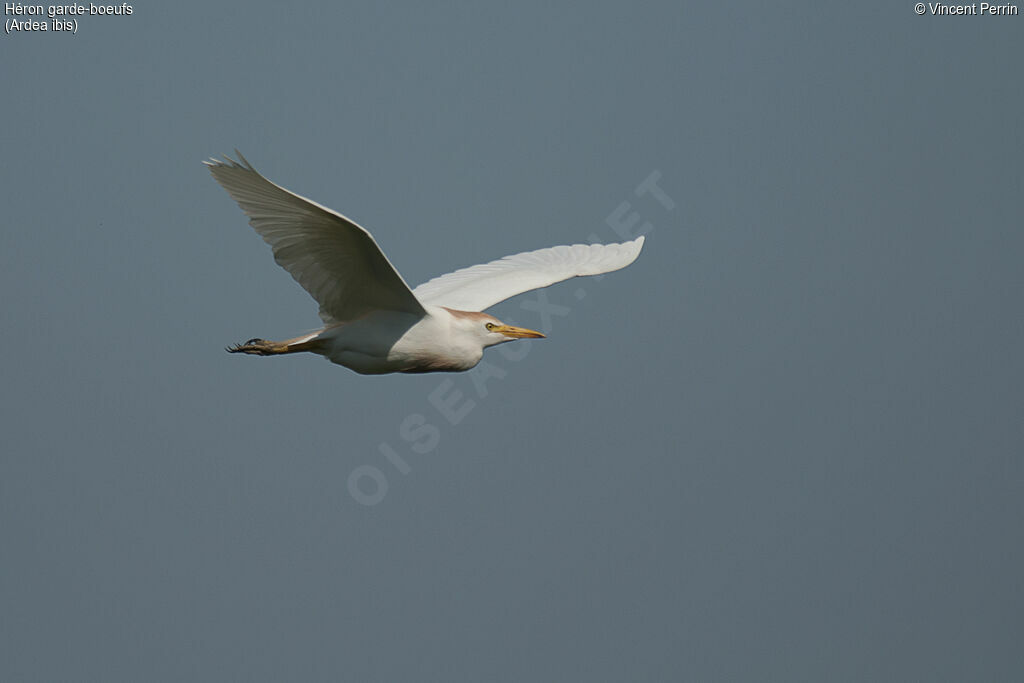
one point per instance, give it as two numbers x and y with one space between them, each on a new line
517 332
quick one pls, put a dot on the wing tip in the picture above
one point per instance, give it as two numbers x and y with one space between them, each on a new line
228 162
633 248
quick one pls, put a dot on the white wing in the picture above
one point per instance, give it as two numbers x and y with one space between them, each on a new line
335 260
479 287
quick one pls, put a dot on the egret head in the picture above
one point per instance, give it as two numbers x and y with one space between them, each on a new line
498 332
488 329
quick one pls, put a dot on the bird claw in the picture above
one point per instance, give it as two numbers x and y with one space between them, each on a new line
250 346
259 347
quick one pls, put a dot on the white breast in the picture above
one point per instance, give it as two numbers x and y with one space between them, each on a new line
397 342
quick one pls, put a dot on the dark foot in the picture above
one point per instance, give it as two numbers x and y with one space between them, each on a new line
258 347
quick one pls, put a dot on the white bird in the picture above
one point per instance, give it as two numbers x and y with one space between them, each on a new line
373 322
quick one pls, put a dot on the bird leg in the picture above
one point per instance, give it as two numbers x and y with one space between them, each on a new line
262 347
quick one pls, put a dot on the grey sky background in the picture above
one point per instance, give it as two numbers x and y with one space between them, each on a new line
784 445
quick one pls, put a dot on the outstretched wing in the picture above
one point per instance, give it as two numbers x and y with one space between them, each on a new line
479 287
335 260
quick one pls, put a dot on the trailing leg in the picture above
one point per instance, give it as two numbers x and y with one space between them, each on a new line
262 347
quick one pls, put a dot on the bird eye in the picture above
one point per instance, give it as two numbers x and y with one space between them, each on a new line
489 326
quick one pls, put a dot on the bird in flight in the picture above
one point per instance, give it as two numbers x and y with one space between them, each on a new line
373 322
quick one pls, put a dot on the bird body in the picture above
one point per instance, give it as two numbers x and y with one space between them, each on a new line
373 322
443 340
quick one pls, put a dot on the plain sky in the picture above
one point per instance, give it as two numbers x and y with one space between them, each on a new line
784 445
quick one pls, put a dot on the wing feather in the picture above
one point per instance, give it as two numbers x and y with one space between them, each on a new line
479 287
334 259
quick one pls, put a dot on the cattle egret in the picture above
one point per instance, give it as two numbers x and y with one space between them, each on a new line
373 322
